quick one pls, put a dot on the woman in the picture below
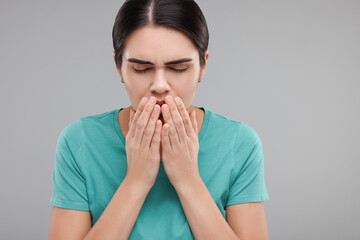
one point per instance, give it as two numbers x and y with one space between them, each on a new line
160 168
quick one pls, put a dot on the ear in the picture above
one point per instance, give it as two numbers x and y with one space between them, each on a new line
119 70
203 68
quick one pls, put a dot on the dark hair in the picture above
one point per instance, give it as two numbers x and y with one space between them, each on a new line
183 15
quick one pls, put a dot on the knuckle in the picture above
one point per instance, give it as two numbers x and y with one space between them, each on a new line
172 131
186 121
180 107
147 132
172 107
154 115
148 107
156 140
178 123
134 119
167 116
140 124
129 145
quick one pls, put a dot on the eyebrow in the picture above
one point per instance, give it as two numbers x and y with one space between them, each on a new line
182 60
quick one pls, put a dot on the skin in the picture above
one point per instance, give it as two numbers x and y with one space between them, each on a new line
159 45
160 81
172 135
178 130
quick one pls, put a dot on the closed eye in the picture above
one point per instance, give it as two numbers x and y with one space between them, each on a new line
141 70
146 69
178 70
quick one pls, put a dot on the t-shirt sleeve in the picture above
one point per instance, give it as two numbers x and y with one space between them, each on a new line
248 181
68 181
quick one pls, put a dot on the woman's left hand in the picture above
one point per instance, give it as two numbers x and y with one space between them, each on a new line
179 144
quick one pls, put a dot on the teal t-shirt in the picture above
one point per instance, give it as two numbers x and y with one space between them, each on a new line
90 164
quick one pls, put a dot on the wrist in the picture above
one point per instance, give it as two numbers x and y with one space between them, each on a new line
190 186
137 186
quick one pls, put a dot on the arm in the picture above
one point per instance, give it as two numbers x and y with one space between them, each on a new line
181 165
119 217
69 224
202 213
248 220
116 222
244 221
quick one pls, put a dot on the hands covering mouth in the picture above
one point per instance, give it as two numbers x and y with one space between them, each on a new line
175 141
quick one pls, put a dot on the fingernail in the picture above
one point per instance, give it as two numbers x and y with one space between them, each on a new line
165 108
152 100
168 99
177 100
156 109
143 100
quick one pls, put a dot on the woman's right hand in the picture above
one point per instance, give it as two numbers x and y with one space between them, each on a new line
143 143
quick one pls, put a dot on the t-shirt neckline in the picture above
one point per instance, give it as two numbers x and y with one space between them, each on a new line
200 135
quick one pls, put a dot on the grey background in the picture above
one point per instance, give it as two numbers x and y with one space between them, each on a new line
289 69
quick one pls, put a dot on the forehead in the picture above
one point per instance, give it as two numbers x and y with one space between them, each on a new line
159 44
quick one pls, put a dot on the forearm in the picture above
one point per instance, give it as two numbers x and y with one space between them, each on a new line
119 217
202 213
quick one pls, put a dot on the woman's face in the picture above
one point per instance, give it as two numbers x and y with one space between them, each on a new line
160 61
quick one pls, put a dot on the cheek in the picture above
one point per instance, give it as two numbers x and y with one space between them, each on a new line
186 90
136 91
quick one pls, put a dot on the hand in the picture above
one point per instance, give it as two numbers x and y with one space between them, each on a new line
143 144
180 144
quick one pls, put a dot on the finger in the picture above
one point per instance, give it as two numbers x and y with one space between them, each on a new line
155 142
194 122
138 112
185 117
132 112
178 122
165 140
150 128
173 136
143 120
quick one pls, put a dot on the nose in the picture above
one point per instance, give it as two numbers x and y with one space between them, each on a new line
160 84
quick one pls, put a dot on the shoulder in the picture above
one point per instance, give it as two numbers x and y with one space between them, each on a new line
99 118
74 130
241 132
71 133
85 121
